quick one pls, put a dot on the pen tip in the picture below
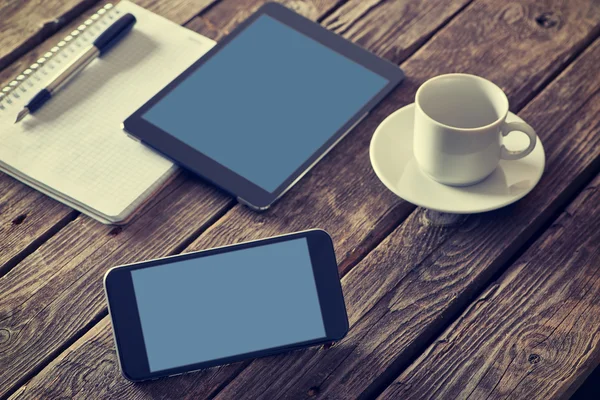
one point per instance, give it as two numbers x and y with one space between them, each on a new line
22 114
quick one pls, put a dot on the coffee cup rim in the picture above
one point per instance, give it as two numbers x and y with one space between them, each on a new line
470 76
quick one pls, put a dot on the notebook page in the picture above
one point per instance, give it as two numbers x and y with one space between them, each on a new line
75 145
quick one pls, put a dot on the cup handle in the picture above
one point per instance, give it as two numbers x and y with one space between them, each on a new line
508 127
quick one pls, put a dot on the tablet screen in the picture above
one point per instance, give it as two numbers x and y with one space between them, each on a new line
266 102
226 304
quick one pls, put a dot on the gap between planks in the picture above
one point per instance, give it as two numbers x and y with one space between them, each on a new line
534 334
46 30
351 262
73 214
37 242
31 45
28 46
399 222
592 167
398 215
395 371
377 387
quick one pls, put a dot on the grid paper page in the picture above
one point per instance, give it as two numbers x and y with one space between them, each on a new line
74 145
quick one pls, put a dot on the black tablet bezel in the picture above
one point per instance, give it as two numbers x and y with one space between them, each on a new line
126 323
246 191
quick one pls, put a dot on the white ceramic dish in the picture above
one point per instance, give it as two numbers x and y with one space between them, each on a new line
392 159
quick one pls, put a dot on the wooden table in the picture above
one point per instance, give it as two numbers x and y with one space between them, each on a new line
500 304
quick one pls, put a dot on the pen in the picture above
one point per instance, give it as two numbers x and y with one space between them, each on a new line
101 45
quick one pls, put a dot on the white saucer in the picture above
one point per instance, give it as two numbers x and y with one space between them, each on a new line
393 161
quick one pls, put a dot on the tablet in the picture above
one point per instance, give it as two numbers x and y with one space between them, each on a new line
257 111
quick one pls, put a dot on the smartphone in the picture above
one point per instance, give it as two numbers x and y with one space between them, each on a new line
198 310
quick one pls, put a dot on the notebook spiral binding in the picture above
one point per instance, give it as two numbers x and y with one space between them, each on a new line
49 63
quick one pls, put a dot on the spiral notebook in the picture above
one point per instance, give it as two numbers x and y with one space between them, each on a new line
74 149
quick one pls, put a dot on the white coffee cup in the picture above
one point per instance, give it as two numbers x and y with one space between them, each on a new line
460 120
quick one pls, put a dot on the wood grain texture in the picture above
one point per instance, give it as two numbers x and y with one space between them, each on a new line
357 202
534 333
226 15
27 217
417 278
215 377
392 29
56 293
341 194
28 291
35 216
428 62
179 11
101 376
445 256
297 375
24 24
19 64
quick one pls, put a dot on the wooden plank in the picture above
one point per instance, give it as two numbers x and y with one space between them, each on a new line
103 368
23 238
179 11
534 333
17 65
396 259
358 190
60 335
28 218
226 15
358 202
218 10
393 30
404 291
356 209
216 13
58 288
255 381
26 23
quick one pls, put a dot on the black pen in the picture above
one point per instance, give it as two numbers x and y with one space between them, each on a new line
101 45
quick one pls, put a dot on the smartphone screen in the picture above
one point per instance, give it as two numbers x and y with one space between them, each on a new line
238 302
213 307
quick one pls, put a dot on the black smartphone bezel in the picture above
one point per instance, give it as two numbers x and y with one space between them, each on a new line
126 324
221 176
